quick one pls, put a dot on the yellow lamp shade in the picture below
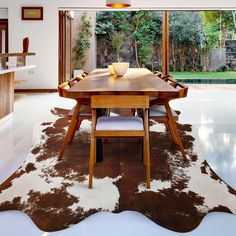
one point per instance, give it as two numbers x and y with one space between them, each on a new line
118 3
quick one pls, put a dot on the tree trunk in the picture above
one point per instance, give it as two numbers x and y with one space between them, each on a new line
182 59
234 19
223 36
173 55
136 44
207 59
193 62
136 53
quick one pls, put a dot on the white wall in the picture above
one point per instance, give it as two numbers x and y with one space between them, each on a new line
43 41
91 62
3 13
43 35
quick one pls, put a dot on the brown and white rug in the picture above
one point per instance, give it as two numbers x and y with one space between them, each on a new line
55 193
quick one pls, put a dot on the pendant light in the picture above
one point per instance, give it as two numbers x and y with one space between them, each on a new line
118 3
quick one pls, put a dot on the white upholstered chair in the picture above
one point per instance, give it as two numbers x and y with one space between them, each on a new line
84 113
118 126
161 111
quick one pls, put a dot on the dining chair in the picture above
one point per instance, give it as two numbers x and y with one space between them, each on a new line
119 126
161 111
81 109
157 73
78 77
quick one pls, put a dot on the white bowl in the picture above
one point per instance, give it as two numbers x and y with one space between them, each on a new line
120 68
111 70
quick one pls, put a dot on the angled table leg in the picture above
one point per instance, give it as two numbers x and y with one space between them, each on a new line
71 130
174 131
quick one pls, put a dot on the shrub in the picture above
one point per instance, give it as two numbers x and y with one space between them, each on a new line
222 69
82 43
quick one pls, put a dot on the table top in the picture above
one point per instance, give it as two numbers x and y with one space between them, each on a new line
137 81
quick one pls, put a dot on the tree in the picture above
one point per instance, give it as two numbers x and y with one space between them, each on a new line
117 39
210 40
234 20
185 39
113 26
110 22
143 26
224 21
217 27
146 32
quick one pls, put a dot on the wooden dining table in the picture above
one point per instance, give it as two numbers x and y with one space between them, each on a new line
137 81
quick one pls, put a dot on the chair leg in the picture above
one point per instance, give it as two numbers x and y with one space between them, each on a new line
79 124
147 149
147 158
144 152
70 131
91 160
76 128
172 133
95 152
181 147
166 125
173 127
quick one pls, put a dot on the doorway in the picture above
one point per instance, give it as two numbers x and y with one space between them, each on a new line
3 35
65 46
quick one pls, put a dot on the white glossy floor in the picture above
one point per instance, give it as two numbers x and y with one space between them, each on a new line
213 115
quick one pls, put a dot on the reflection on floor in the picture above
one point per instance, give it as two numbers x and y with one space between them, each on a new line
212 113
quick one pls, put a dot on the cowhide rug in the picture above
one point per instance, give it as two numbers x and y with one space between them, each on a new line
55 193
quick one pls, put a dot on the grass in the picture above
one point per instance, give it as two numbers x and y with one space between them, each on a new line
204 75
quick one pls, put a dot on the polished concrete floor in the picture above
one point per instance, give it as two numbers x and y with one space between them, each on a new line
211 111
213 116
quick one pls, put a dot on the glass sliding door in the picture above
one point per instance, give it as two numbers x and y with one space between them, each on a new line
68 41
65 46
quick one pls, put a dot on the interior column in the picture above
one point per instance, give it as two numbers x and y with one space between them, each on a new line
165 43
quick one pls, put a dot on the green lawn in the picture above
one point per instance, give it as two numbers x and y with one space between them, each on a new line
204 75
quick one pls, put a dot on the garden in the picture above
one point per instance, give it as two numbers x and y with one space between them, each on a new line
202 44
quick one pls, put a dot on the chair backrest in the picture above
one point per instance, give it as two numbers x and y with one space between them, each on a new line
163 77
119 101
85 74
157 73
74 81
168 79
182 89
62 88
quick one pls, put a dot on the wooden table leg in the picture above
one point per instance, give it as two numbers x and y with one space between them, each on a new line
175 133
71 130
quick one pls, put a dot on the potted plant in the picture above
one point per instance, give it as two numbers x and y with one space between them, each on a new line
117 38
